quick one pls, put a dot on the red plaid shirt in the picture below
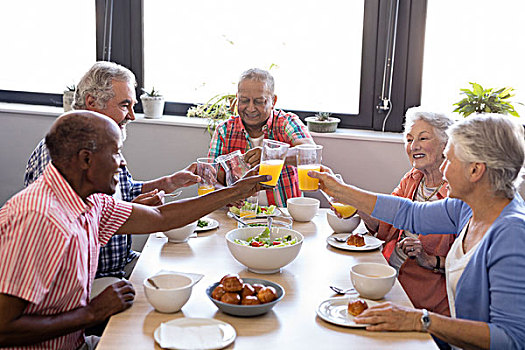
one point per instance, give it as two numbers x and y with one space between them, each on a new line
231 135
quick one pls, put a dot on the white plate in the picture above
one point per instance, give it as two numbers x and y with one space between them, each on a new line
371 242
212 224
276 212
335 310
228 332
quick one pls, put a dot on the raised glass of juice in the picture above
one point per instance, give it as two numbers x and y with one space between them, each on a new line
272 160
207 170
308 158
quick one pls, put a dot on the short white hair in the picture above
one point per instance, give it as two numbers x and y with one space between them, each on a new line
439 121
498 142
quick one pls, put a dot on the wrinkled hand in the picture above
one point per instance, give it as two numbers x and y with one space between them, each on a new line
253 156
411 246
328 182
114 299
187 177
390 317
414 249
151 198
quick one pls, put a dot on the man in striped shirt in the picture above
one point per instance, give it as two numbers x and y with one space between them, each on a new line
50 235
109 88
258 120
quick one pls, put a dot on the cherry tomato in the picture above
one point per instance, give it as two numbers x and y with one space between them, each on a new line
276 242
256 244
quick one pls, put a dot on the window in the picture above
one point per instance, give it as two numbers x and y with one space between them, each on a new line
45 47
480 41
194 50
325 55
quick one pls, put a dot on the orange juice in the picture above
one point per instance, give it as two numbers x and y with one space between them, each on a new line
247 213
271 167
307 183
205 189
344 209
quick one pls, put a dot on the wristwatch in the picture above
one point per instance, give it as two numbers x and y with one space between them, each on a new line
425 320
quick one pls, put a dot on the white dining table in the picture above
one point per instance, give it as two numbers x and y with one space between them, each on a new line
291 324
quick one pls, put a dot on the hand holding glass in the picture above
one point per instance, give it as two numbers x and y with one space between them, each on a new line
234 166
345 210
272 160
308 158
207 170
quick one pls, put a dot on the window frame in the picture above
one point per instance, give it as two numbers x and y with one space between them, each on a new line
128 50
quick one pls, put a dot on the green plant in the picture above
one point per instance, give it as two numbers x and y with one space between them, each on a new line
217 109
152 93
71 87
322 116
480 100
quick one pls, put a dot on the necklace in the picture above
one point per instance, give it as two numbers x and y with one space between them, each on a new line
422 193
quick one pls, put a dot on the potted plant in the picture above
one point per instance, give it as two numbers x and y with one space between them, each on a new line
480 100
152 103
322 122
68 97
218 108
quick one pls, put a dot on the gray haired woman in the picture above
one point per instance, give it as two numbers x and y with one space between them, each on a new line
422 278
485 279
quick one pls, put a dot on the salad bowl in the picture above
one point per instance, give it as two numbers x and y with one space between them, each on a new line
271 252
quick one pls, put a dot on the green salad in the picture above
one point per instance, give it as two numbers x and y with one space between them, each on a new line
202 223
264 240
261 210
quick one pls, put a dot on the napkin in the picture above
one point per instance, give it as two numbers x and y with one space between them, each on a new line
192 337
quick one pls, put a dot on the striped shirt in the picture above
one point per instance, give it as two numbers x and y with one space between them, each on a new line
49 244
231 135
117 252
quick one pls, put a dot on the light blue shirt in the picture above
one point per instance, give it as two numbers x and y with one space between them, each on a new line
492 286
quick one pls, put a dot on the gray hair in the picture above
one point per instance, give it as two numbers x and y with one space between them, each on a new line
439 121
496 141
98 82
259 75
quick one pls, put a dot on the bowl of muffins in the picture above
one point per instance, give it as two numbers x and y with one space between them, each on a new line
244 297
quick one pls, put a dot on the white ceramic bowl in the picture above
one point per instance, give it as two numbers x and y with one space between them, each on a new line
263 260
342 225
372 280
181 234
302 208
174 291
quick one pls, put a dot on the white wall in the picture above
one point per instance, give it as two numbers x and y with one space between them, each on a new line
153 150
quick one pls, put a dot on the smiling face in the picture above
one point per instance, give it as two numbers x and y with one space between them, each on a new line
255 104
106 161
423 146
120 107
455 173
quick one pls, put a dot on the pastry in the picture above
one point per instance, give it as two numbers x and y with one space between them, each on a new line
357 306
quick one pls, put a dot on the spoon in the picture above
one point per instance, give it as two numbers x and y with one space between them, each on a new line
342 291
270 221
234 217
173 194
152 282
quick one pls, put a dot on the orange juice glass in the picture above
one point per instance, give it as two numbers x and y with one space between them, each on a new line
207 170
308 158
345 210
271 167
272 160
249 207
205 189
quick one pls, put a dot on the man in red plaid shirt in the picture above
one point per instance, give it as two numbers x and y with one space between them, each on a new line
258 120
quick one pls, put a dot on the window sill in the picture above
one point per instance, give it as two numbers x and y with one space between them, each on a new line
172 120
